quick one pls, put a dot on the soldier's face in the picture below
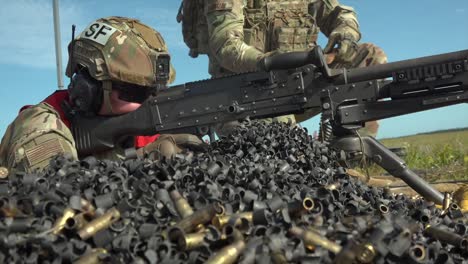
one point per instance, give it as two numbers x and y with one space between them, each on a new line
119 106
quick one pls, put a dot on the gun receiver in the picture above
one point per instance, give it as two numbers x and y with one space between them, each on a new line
294 83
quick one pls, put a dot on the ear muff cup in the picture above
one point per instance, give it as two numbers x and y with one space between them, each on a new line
85 93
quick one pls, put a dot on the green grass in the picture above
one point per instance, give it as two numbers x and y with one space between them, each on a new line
435 156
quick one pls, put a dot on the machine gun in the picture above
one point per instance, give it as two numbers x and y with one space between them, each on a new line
293 83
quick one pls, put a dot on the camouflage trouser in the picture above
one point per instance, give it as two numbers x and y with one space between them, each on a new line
368 54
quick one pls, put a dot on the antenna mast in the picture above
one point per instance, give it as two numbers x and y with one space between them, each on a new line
58 47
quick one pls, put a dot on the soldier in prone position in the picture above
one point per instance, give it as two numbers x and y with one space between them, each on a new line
115 64
236 34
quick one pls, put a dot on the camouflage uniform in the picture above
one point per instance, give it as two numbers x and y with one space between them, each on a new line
240 32
34 137
127 54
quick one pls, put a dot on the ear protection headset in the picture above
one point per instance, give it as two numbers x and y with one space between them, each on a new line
85 93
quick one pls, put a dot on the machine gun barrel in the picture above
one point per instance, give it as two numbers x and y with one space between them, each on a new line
294 83
382 71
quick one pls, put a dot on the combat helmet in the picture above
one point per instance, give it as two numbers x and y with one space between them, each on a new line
120 51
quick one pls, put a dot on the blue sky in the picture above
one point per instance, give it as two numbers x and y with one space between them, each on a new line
403 28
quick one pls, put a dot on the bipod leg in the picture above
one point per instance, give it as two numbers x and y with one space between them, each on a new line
389 161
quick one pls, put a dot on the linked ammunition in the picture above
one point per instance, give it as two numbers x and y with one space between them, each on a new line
99 223
311 238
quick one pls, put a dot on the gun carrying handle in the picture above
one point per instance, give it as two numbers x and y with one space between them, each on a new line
295 59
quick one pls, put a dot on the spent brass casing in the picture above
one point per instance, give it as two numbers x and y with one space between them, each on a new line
300 207
221 220
191 241
232 233
332 186
78 221
222 210
383 209
202 216
99 223
447 236
447 201
92 258
86 205
418 252
3 172
182 206
60 223
366 253
311 238
227 254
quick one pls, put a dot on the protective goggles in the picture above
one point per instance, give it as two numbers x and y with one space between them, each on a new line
132 93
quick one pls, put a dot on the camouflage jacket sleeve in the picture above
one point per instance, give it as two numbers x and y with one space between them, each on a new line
331 15
34 138
225 21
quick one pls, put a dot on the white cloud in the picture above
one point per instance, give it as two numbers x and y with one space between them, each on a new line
28 31
460 10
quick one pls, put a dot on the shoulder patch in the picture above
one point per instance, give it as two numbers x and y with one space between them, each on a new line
98 32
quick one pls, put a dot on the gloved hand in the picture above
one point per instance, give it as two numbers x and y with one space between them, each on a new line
167 145
346 38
